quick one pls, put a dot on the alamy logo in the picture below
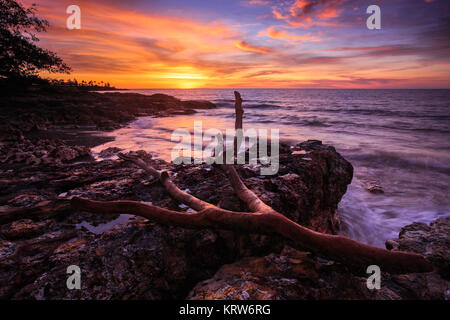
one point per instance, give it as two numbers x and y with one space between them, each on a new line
214 151
74 280
374 20
74 20
374 281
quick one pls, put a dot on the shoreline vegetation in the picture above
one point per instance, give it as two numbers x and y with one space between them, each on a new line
45 161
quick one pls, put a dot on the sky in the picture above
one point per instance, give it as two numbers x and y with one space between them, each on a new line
252 43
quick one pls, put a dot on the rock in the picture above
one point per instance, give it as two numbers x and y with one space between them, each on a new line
109 152
309 145
373 187
297 275
319 184
7 249
143 260
140 259
25 228
66 153
199 104
24 262
26 200
43 151
291 274
432 241
38 112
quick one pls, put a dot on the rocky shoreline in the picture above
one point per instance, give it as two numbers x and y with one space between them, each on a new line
64 112
41 235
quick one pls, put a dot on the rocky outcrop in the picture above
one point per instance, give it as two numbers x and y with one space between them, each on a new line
140 259
323 176
126 257
294 274
41 152
290 274
40 111
431 240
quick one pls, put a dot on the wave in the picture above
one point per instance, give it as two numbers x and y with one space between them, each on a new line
144 122
380 112
430 130
311 123
263 106
402 160
224 104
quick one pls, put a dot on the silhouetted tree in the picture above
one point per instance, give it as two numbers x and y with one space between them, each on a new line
20 58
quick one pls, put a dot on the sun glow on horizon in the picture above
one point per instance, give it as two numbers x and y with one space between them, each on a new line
155 45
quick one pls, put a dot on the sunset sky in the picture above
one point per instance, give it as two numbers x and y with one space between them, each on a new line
253 43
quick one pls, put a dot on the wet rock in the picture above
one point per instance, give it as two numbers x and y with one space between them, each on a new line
432 241
43 152
39 111
65 153
298 275
26 200
7 249
319 184
23 262
25 228
373 187
143 260
140 259
109 152
305 191
290 274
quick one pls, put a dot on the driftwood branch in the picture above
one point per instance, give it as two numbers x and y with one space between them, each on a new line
170 187
340 248
239 111
262 220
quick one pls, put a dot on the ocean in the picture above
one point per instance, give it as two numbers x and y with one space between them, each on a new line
397 139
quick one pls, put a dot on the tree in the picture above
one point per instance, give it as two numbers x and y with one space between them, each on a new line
19 56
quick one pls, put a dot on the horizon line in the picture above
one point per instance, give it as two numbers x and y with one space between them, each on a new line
237 88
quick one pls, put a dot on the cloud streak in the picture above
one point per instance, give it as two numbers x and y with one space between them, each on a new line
253 48
142 44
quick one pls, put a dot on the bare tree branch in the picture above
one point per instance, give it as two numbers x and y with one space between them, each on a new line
249 197
170 187
262 220
339 248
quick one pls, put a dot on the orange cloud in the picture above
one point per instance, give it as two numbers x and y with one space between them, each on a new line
143 49
324 9
278 15
306 13
328 13
131 48
252 48
283 35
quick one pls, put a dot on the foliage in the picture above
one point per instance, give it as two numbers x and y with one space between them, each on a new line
19 56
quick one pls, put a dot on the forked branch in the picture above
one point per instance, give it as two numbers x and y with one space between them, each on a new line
170 187
262 220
